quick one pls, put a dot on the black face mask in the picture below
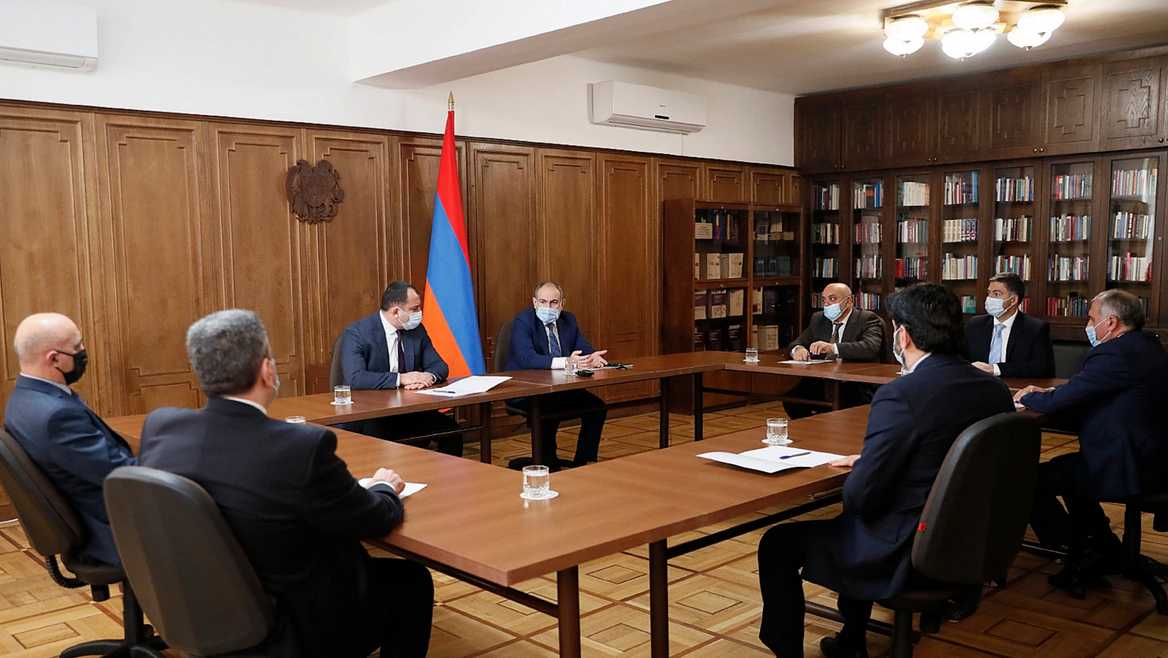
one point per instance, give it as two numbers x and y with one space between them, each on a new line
80 361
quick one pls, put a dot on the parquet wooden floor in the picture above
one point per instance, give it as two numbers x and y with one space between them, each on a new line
714 599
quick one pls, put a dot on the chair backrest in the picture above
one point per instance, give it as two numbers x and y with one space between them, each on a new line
193 580
1068 358
975 517
49 520
336 372
502 345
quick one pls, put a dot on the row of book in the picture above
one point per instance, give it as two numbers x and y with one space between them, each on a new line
771 337
912 231
716 225
825 268
958 268
959 230
1013 229
825 233
1069 227
1068 187
915 267
773 266
718 266
1068 268
868 301
718 304
868 196
959 189
825 197
869 267
913 193
1133 182
869 233
771 230
717 340
1015 189
766 300
1071 306
968 304
1019 265
1129 268
1131 226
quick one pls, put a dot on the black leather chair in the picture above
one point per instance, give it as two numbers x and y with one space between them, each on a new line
1138 567
53 529
973 522
336 372
1068 358
192 577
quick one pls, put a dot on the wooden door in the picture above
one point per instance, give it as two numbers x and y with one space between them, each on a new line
1133 104
910 127
1014 116
565 186
1071 97
724 182
960 116
863 132
817 134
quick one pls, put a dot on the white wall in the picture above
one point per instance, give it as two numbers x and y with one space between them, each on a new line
255 61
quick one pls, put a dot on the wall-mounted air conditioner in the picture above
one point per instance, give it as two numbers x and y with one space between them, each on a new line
49 34
647 108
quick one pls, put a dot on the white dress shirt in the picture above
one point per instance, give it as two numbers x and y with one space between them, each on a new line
391 339
1009 324
919 362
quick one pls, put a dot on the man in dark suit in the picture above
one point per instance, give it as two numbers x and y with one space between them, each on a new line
839 331
297 512
70 443
1118 403
1006 341
391 349
865 552
545 337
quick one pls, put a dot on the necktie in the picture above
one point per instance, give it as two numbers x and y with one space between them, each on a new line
835 331
996 344
401 355
553 342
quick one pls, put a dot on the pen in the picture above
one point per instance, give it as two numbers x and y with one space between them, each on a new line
797 454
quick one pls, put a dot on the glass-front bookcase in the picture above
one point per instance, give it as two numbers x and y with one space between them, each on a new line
912 229
826 196
960 219
1014 212
1131 229
1068 266
867 237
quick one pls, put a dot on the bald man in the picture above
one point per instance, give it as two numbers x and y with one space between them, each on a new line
71 444
839 331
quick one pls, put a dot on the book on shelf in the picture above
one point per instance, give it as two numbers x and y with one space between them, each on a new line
1131 226
737 300
1136 269
760 263
1019 265
825 197
703 231
697 266
699 344
1070 227
868 196
701 305
869 301
825 233
959 230
869 233
1133 182
734 266
960 189
958 268
1013 229
713 266
912 267
968 304
756 301
771 338
1071 305
714 340
1015 189
869 267
719 304
782 266
770 300
734 338
912 231
772 266
826 268
1070 187
771 230
1068 268
913 193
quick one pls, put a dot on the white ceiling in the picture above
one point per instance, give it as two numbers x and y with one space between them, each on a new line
337 7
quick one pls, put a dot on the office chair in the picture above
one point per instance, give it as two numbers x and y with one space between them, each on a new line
1068 358
972 525
1139 567
192 577
54 529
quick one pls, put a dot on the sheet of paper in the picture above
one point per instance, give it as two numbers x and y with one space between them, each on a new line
411 487
804 363
467 386
769 459
1018 406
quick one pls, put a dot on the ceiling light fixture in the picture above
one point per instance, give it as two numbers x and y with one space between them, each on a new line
968 28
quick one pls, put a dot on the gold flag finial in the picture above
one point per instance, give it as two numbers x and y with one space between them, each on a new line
450 102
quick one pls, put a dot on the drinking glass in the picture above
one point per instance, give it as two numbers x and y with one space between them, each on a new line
536 482
752 355
342 395
776 432
294 419
571 367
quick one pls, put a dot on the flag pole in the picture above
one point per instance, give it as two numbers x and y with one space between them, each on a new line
450 102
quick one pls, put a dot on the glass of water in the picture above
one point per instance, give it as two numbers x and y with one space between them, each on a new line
297 420
571 367
751 355
776 432
536 482
342 395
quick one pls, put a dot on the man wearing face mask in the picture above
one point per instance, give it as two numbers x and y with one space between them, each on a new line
391 349
545 337
66 439
1117 402
298 513
839 331
1006 341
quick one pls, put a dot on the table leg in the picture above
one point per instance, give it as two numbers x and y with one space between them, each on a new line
836 397
568 603
485 433
698 406
663 432
658 600
535 419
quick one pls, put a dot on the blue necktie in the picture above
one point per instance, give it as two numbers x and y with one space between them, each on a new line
553 342
996 344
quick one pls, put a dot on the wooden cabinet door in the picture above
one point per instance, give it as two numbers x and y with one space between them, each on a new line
724 182
863 133
1014 116
1133 104
1071 98
959 118
817 135
910 129
769 186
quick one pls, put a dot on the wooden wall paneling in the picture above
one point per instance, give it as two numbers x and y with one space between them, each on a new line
1071 96
769 186
503 229
568 233
418 159
1015 115
1133 104
959 118
47 239
863 131
817 134
910 128
351 256
156 211
724 182
260 242
676 179
795 187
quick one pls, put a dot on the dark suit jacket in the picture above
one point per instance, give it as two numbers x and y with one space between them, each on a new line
75 449
297 512
1029 352
365 355
913 422
1120 401
530 349
863 338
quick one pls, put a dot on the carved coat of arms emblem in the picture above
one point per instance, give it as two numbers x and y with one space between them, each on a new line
314 192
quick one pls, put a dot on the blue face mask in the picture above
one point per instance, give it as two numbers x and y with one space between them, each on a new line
413 322
995 307
833 312
1095 340
547 315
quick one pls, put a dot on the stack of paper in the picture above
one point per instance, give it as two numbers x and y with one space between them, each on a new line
773 459
467 386
411 487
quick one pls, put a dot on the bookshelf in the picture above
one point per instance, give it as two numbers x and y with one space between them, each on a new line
913 215
1015 194
825 235
960 230
1131 227
866 231
1070 228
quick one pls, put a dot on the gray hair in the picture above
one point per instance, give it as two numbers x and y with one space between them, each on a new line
545 284
226 350
1123 306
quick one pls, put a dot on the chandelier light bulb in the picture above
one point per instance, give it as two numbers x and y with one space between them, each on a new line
1025 39
906 28
1042 19
975 15
961 43
903 48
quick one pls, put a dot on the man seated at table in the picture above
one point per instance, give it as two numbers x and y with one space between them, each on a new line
66 439
1119 404
391 349
1006 341
544 337
839 331
290 500
865 552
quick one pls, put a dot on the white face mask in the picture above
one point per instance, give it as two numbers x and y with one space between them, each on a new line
996 307
897 350
414 320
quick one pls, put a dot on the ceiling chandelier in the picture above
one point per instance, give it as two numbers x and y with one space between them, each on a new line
968 28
